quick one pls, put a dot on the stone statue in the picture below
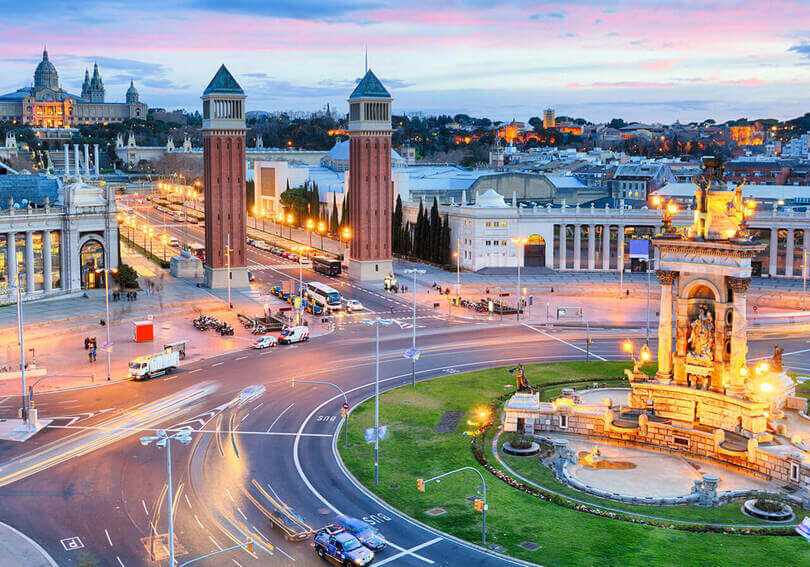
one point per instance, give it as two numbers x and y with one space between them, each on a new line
522 385
701 336
776 359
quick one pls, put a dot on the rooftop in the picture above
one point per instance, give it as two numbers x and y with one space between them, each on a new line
24 189
370 87
223 83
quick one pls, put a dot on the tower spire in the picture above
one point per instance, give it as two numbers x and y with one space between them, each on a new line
366 69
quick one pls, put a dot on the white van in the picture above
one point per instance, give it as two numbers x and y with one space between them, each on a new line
293 335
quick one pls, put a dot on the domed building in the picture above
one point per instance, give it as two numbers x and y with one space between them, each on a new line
47 105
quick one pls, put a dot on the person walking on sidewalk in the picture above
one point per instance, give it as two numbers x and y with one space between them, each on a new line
93 352
90 356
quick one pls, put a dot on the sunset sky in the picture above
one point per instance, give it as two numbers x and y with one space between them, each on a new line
639 60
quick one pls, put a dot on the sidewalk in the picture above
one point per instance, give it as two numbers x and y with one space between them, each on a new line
56 344
19 549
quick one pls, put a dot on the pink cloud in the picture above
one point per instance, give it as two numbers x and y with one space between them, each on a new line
621 85
750 82
660 65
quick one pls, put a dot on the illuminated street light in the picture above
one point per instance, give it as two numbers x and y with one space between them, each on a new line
520 241
108 346
414 354
310 225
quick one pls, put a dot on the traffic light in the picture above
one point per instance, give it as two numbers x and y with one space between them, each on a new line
249 545
343 413
479 504
420 485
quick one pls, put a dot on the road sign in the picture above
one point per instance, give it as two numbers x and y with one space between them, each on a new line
71 543
345 406
413 354
755 308
107 347
505 294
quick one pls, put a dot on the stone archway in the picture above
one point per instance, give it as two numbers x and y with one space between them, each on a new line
534 251
91 257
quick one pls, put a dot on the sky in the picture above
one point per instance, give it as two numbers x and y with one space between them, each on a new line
643 60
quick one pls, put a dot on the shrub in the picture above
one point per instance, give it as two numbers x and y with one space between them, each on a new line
521 441
126 277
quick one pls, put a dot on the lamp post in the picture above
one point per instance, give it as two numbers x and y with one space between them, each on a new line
346 233
25 407
107 272
289 223
310 226
519 241
804 275
321 230
414 355
164 440
377 322
228 265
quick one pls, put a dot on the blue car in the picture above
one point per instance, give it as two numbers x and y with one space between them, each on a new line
368 535
343 547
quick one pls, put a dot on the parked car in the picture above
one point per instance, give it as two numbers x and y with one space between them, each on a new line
304 260
293 257
343 547
364 532
265 342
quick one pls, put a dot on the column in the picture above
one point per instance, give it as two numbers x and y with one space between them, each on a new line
29 261
577 247
563 247
805 253
87 160
67 159
789 253
591 247
667 279
606 247
47 268
620 249
96 159
773 245
76 159
11 256
739 324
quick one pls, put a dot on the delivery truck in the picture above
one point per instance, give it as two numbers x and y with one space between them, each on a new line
145 367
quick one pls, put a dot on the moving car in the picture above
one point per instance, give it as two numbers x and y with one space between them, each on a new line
288 521
343 547
353 305
174 241
304 260
293 335
364 532
265 342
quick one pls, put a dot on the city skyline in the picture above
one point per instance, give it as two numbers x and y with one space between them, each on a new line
634 60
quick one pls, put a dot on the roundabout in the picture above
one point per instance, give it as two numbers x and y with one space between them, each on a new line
527 504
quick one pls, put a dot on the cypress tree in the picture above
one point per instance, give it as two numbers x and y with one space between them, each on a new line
333 219
445 250
435 235
396 227
418 233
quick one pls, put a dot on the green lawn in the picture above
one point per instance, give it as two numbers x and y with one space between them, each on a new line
566 537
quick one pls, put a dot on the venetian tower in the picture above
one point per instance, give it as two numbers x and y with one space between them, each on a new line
370 188
223 132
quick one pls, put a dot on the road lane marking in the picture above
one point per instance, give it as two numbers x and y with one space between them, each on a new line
241 513
121 563
217 364
195 370
279 416
215 542
411 552
188 501
145 509
542 332
240 358
108 537
228 492
199 523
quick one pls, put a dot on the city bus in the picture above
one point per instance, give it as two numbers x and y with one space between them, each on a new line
323 295
197 250
327 266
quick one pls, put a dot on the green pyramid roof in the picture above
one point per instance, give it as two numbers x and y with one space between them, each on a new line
370 86
223 83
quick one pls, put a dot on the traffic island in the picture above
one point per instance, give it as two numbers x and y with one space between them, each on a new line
595 531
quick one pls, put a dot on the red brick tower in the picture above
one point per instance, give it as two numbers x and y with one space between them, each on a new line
224 181
371 192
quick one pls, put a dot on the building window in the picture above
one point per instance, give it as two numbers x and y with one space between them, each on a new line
56 259
38 266
563 421
794 472
488 224
489 242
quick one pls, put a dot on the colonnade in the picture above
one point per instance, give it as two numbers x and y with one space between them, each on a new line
560 259
29 265
82 166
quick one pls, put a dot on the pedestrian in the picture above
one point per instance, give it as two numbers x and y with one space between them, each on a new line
134 295
94 353
86 343
90 355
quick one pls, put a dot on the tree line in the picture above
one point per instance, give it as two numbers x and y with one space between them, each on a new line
428 239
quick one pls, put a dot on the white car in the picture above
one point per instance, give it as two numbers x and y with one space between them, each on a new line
173 241
265 342
304 260
353 305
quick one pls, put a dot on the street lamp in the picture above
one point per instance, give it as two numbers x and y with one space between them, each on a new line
520 241
482 506
377 322
321 230
163 439
310 226
107 346
414 354
290 219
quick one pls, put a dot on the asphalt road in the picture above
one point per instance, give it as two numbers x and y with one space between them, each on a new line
257 441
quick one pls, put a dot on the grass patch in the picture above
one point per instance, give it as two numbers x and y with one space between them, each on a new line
144 252
566 537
